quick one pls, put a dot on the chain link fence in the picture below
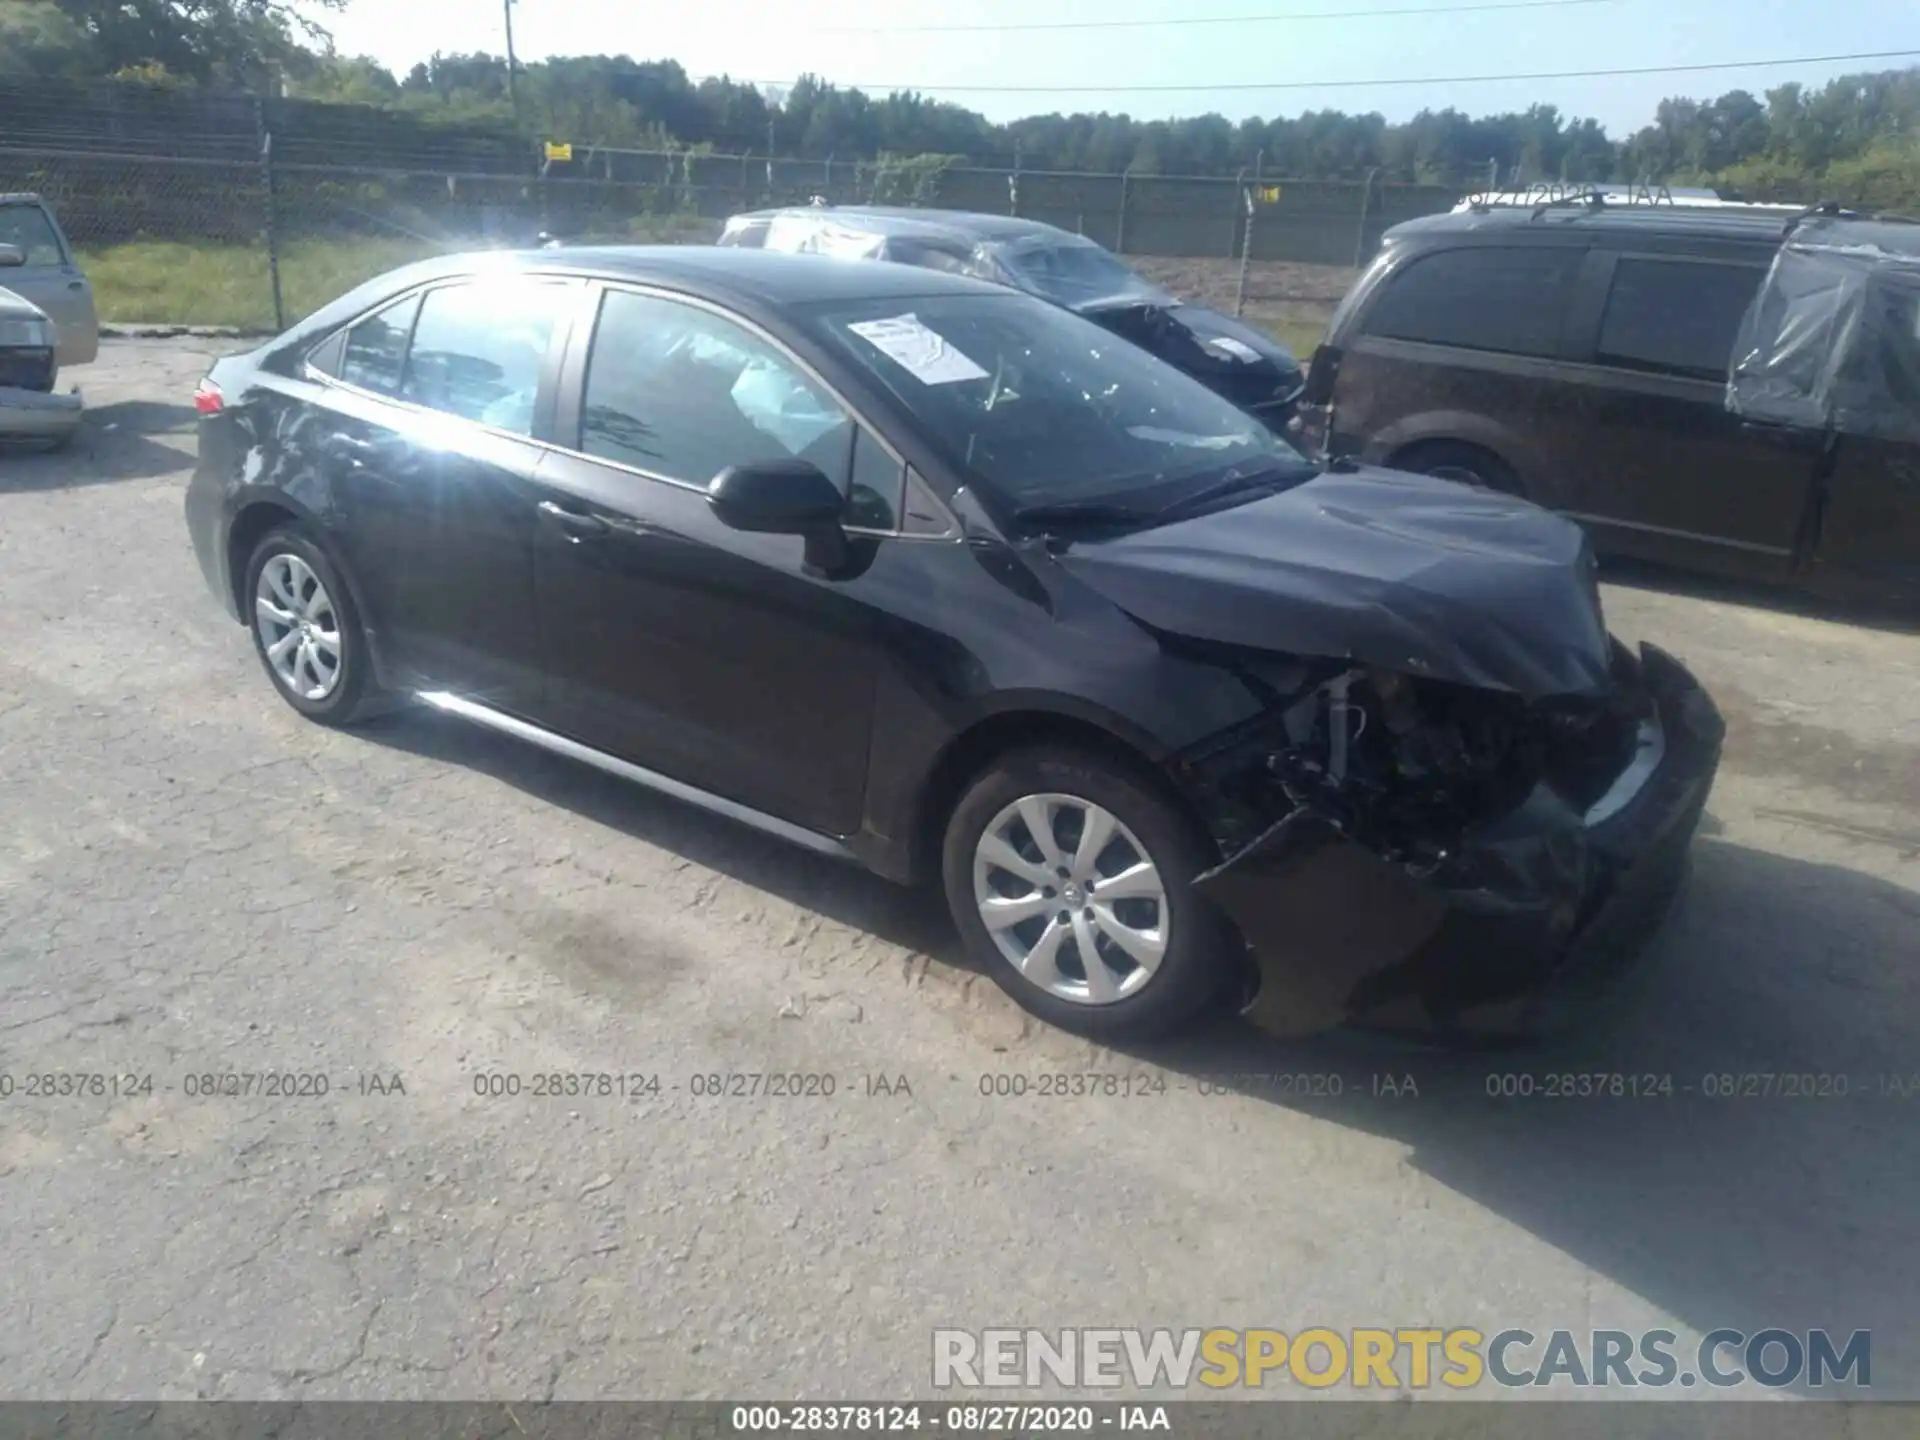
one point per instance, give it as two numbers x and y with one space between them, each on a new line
255 243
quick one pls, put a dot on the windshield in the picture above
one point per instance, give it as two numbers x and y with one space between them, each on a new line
1039 407
1074 275
27 226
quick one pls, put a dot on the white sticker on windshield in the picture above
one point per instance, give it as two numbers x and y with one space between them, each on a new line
1237 349
919 351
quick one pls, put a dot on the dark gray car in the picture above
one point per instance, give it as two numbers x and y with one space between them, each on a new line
1234 360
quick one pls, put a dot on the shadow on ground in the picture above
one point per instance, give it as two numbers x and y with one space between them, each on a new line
116 442
1719 1198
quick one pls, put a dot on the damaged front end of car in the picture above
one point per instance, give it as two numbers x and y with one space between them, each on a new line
1419 855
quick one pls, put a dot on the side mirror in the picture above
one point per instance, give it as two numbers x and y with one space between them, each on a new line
1321 375
784 497
12 257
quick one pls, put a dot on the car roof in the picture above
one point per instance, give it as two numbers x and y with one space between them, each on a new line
1716 224
968 225
770 276
746 280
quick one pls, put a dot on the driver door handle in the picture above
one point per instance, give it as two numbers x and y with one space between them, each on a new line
577 525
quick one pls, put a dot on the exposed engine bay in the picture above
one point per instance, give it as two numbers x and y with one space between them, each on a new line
1408 766
1399 844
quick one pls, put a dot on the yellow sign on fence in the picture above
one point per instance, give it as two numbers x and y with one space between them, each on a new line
559 152
1270 194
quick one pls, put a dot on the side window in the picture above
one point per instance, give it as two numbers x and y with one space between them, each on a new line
376 348
478 350
28 227
1509 299
683 393
876 496
1675 315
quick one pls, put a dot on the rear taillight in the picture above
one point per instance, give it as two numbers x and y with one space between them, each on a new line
207 398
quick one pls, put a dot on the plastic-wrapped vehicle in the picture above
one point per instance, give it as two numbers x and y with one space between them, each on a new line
1831 346
1700 386
1234 360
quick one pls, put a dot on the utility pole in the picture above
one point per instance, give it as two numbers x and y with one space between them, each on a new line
513 90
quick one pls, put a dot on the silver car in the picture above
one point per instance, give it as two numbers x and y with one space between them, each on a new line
47 321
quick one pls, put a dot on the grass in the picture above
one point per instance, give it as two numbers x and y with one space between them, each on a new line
152 282
162 283
159 283
1299 336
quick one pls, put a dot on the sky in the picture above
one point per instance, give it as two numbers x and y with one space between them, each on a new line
861 42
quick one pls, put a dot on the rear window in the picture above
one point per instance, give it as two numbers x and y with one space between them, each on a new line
478 350
28 227
376 348
1509 299
1677 316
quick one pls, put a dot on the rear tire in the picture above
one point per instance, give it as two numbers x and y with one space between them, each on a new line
1456 460
306 630
1115 874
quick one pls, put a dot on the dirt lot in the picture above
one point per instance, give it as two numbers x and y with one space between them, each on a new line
195 882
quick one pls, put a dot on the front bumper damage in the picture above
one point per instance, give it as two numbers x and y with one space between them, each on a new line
1490 942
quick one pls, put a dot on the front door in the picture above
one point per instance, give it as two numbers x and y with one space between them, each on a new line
704 653
1661 468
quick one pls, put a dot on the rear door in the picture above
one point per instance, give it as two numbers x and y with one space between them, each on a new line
1870 524
1663 470
431 453
51 279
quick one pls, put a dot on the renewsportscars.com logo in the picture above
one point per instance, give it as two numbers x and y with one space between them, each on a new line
1401 1359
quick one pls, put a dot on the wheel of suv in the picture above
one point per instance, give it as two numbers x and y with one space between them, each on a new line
305 629
1070 878
1468 464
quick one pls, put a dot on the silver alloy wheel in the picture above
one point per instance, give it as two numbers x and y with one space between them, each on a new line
298 627
1071 898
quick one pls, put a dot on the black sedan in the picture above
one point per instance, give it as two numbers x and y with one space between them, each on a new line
937 577
1231 359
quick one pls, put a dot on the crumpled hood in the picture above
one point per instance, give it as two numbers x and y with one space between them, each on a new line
1401 571
1232 359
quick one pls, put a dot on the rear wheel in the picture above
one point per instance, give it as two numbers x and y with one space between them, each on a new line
1459 461
306 631
1070 879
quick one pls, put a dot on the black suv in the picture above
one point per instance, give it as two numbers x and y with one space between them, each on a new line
1579 355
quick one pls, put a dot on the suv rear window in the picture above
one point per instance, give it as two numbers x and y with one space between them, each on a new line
1679 316
1506 298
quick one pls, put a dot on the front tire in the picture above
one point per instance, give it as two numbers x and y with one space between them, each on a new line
1070 878
306 631
1460 462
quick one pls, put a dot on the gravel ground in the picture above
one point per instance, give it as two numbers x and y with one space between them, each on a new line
195 881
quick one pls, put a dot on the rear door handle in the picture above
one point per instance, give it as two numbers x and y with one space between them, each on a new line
577 525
